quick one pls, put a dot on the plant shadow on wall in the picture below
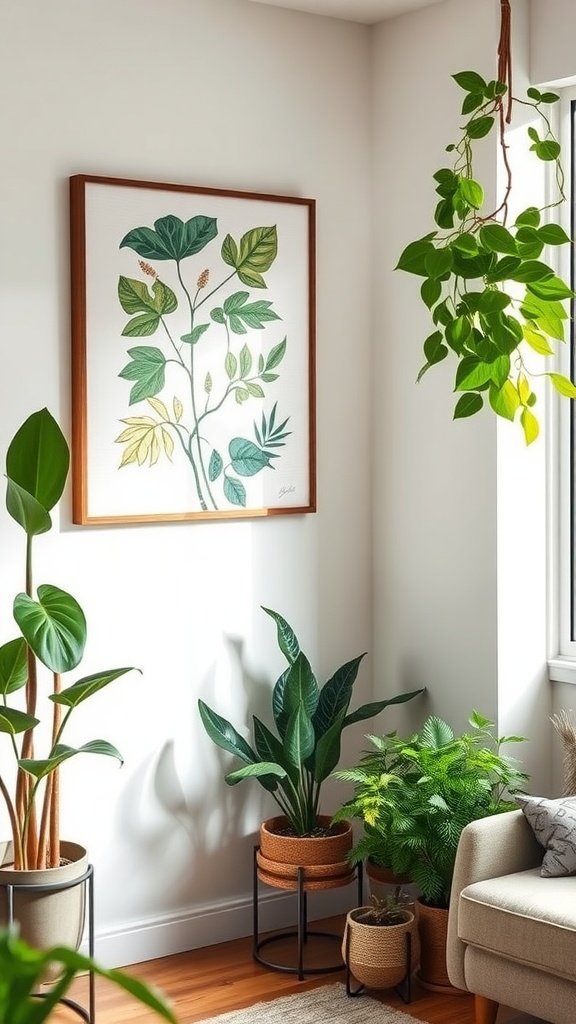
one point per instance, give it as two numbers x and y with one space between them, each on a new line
495 303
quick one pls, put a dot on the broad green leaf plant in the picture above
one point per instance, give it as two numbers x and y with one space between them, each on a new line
212 363
52 636
293 762
23 968
415 794
495 300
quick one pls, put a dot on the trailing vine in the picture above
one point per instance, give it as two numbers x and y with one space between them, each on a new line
494 302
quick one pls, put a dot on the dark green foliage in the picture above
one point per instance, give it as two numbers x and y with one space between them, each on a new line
415 794
293 763
473 265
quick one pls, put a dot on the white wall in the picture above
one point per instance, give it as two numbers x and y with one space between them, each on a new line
434 509
229 94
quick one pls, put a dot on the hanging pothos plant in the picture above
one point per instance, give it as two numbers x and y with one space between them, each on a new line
494 301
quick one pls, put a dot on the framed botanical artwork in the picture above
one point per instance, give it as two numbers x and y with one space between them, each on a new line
193 352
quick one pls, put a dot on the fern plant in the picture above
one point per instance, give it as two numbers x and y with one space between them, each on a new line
415 795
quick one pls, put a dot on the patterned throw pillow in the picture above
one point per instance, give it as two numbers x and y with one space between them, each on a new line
554 825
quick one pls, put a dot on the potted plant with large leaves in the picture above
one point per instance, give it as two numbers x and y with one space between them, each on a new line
50 643
420 791
293 762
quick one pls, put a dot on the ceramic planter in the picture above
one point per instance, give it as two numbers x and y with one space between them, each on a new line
52 918
377 955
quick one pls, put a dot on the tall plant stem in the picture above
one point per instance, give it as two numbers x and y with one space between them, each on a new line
194 432
24 811
18 858
49 842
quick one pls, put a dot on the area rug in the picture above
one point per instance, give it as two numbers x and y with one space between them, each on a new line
326 1005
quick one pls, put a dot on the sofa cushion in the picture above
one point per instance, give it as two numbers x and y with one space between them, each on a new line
523 917
554 825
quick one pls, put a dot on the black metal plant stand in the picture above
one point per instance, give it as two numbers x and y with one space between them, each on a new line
404 987
87 1014
302 933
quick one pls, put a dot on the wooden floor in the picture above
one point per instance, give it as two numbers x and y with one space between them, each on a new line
206 982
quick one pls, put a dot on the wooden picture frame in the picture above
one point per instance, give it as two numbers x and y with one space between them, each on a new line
193 352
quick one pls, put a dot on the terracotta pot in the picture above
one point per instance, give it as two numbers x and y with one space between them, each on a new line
322 857
377 955
383 882
52 918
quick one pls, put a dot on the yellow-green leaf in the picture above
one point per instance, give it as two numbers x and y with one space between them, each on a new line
523 388
154 450
529 426
563 385
504 401
178 409
139 421
159 407
537 341
168 442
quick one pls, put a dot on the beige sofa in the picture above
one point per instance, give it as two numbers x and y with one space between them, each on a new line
511 933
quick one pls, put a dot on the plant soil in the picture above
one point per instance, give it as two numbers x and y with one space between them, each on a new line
320 832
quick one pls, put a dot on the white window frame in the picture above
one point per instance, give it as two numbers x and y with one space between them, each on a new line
561 459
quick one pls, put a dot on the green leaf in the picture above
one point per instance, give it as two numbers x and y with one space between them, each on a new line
466 244
529 217
234 491
83 688
255 254
231 365
479 127
553 234
444 216
534 94
245 361
500 370
142 326
276 355
299 739
26 510
472 373
61 753
529 425
498 239
327 753
287 640
371 710
532 270
13 721
430 292
147 368
13 666
434 348
215 466
195 334
533 134
549 97
414 256
255 771
247 459
268 746
504 401
503 269
300 687
172 239
217 315
224 735
493 301
470 81
548 149
563 385
255 390
335 695
472 101
38 458
135 297
553 288
458 332
438 262
472 192
253 314
468 405
54 627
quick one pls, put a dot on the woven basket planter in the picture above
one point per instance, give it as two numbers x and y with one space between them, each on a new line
433 929
322 857
376 955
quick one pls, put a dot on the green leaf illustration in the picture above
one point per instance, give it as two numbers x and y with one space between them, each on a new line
195 334
142 326
251 314
256 254
247 459
255 390
216 465
234 491
172 239
135 297
245 361
147 368
217 315
231 365
276 355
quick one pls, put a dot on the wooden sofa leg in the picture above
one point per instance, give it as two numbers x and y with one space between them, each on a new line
485 1010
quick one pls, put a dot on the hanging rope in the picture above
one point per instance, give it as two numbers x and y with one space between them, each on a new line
505 54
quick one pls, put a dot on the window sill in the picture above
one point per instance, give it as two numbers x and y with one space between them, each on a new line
562 670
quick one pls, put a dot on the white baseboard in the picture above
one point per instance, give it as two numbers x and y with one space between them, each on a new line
205 925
